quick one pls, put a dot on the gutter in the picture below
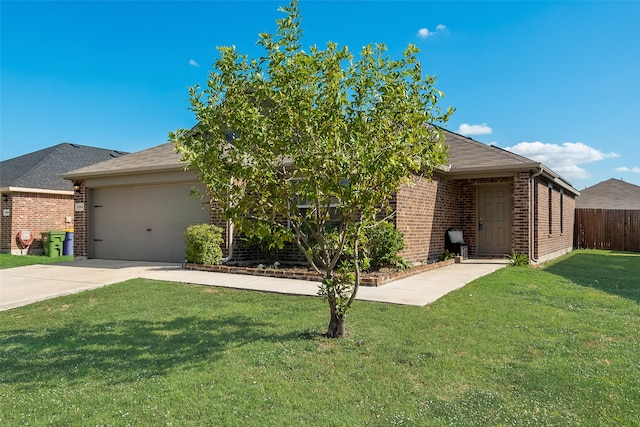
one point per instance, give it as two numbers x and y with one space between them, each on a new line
493 168
229 256
35 190
129 170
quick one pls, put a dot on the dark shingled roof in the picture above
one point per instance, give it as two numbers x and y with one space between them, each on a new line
42 169
466 154
155 159
610 194
467 157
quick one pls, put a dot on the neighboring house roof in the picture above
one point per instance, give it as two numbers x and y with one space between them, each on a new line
610 194
467 157
42 169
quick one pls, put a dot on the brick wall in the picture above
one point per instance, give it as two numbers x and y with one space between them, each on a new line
425 211
556 236
37 213
81 217
6 231
520 231
429 208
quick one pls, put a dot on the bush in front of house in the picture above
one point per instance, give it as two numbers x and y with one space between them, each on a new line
384 242
518 260
380 246
203 244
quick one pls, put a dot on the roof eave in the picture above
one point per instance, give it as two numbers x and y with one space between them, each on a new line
557 179
73 175
522 167
492 169
11 189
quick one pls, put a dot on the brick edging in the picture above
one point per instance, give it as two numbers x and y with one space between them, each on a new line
312 276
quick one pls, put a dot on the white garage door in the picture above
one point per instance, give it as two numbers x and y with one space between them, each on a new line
143 223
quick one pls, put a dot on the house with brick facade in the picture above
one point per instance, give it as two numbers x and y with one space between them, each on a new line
137 207
503 203
34 196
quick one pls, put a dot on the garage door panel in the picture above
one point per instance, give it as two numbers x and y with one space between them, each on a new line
145 223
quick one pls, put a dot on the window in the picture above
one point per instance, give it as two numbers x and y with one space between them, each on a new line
561 211
550 208
304 203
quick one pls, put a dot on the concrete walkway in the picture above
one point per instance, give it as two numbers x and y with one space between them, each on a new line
24 285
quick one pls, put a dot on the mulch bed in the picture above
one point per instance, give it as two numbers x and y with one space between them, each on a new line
376 278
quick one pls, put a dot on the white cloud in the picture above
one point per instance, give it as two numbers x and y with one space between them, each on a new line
467 129
563 159
193 63
423 33
626 169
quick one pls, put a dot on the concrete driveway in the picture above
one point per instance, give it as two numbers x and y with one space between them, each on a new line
24 285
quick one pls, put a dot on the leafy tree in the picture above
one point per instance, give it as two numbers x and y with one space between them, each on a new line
304 146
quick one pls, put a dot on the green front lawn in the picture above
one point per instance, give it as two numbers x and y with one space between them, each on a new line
551 347
10 261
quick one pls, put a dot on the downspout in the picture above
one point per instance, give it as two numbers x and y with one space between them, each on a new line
229 232
229 242
532 214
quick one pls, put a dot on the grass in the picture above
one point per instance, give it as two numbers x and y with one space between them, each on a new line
555 346
10 261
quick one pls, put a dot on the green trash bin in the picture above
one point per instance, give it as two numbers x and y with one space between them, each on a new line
52 243
45 244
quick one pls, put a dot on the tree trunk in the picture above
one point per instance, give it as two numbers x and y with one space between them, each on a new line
336 323
336 326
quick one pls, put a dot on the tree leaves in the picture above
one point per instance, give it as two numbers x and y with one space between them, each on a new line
339 131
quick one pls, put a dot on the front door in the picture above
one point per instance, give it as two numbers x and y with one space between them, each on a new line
494 220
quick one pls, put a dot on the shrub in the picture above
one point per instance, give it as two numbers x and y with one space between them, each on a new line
379 248
446 255
384 242
203 244
518 259
266 247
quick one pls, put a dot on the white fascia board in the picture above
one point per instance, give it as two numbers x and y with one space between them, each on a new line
35 190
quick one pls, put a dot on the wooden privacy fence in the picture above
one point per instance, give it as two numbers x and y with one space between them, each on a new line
615 230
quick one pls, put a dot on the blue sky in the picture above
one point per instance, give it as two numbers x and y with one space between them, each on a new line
558 82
